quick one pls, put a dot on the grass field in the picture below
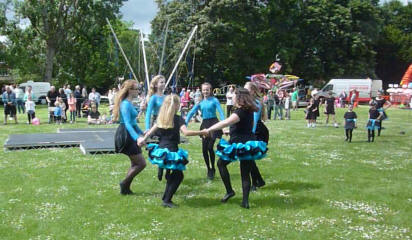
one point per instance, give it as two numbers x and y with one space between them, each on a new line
317 187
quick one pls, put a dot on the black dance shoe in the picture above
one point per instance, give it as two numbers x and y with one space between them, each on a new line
124 190
260 184
253 188
227 197
210 174
245 204
169 205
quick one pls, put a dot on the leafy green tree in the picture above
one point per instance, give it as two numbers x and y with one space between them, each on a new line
394 46
53 20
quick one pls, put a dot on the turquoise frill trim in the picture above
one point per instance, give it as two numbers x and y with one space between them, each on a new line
251 150
373 124
167 159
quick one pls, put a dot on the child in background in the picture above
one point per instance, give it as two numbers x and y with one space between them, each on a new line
310 113
287 106
350 122
58 112
30 109
374 121
72 107
63 106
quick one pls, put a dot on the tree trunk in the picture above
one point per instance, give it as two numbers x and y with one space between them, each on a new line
51 51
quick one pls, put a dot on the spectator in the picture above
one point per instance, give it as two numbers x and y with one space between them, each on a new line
9 101
94 115
182 93
29 92
270 103
342 99
63 98
287 106
58 111
295 96
229 101
95 97
30 109
79 100
278 106
19 99
51 99
72 107
84 93
67 90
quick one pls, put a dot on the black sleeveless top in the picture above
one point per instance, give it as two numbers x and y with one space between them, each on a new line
241 131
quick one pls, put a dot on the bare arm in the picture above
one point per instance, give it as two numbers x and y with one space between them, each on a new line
188 132
150 132
233 118
388 105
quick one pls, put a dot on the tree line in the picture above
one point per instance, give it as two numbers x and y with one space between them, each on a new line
70 42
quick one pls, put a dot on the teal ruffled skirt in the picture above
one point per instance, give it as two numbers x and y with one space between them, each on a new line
251 150
167 159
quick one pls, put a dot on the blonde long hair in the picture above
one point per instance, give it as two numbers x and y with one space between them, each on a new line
167 112
153 86
123 93
255 94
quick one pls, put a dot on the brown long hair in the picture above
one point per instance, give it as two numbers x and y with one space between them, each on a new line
123 93
245 100
153 86
167 112
255 94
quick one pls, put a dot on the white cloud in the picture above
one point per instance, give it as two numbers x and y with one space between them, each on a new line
140 12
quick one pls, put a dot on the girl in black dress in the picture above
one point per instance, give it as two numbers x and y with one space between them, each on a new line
166 154
242 145
310 113
350 122
330 109
374 121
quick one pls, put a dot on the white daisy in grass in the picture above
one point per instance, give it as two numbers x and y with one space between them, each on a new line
363 209
118 231
49 211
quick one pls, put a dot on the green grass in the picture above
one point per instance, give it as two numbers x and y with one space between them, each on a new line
317 187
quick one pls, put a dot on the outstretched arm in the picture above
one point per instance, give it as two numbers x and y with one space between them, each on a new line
191 113
188 132
234 118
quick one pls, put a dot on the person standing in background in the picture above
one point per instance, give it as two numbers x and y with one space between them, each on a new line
294 98
229 101
79 100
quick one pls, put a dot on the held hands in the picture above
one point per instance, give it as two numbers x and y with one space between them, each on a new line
141 141
204 133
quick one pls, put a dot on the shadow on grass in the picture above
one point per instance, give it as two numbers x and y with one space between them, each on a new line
291 186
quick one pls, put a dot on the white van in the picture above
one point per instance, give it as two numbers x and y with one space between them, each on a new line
39 89
367 88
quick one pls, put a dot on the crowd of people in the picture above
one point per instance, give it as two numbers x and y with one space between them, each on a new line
64 104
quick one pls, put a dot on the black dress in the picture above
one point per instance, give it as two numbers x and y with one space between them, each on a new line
350 120
330 105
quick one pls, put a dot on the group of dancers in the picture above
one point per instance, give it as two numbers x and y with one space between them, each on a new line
248 136
376 115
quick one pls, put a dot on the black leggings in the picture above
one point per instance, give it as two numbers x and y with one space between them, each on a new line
228 110
371 135
172 184
208 152
245 168
349 134
30 116
380 128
